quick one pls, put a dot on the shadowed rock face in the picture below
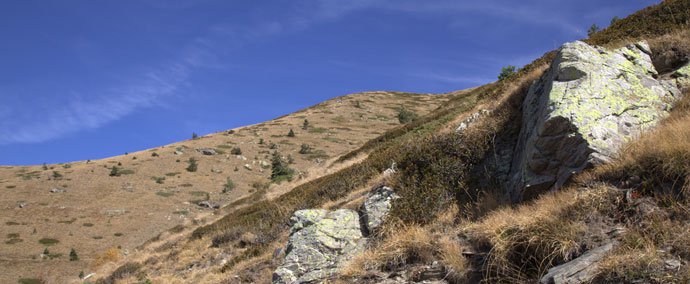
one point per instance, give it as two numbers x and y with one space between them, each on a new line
588 104
377 206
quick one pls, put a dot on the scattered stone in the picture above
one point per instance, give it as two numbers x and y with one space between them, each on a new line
585 107
57 190
114 212
248 167
208 204
390 171
21 204
207 151
579 270
216 170
672 264
471 119
377 206
320 243
128 187
178 152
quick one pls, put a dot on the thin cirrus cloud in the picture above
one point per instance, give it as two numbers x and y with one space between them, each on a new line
57 119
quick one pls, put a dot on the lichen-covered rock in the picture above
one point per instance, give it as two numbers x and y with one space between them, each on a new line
377 206
320 243
590 102
682 76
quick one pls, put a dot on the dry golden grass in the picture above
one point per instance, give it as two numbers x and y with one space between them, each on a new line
528 240
414 244
451 254
112 254
639 258
411 243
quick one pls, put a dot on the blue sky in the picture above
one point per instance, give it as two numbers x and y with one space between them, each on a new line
91 79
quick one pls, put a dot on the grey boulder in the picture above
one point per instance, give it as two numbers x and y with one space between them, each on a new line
320 242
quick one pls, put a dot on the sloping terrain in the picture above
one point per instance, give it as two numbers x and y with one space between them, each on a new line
454 221
105 213
455 218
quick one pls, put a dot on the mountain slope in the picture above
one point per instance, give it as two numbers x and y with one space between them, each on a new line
83 207
445 185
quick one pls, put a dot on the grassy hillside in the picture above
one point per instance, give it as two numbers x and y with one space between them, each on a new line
104 209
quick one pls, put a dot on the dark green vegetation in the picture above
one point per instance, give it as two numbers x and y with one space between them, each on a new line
652 21
228 186
507 72
280 169
405 115
192 165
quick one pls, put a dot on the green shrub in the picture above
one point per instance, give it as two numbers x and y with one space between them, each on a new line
305 149
30 281
115 171
236 151
73 255
48 241
405 115
593 29
305 125
159 180
192 167
507 72
194 136
228 186
291 133
279 169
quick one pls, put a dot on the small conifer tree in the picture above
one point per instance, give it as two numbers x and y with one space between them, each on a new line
115 171
192 167
73 255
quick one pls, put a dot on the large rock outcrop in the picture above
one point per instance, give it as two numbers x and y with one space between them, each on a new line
588 104
320 242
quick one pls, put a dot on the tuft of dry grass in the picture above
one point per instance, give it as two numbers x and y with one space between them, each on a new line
452 258
110 255
405 244
524 242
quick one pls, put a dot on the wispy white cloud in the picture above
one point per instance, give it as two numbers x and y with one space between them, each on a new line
531 12
91 111
47 122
